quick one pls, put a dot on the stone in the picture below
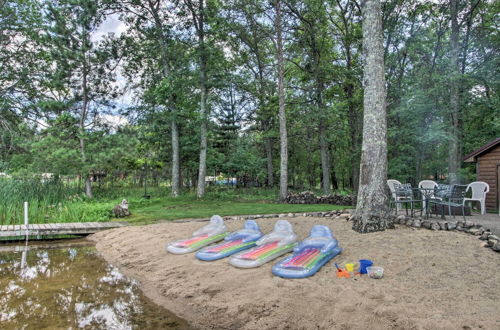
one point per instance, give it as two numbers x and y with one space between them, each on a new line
485 235
496 247
459 228
442 225
291 215
121 210
344 215
469 224
282 215
416 223
451 225
426 224
494 237
474 231
409 222
492 242
435 226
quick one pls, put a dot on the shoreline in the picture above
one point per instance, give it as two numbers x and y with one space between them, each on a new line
432 280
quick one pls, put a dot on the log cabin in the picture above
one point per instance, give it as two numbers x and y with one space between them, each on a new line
487 159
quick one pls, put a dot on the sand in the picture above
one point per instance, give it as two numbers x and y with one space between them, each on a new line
432 280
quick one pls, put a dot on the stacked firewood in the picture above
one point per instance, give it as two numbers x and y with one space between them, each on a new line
308 197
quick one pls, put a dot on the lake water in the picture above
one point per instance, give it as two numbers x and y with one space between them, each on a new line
69 286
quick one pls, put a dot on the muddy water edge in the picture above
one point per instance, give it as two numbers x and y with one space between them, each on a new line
66 284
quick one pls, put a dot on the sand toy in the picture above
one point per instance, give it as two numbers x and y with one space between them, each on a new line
363 264
215 231
235 242
341 272
309 255
278 242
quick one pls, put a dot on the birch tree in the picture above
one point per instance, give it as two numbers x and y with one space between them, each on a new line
372 210
281 102
198 13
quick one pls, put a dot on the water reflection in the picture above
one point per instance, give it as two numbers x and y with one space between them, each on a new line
73 288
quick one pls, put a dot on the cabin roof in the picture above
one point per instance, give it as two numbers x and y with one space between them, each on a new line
471 158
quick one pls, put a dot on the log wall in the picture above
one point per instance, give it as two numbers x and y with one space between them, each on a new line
488 168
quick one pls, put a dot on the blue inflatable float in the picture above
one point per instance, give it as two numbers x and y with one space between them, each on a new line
235 242
310 255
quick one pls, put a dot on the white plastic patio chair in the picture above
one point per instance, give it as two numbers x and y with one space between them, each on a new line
428 184
479 191
391 184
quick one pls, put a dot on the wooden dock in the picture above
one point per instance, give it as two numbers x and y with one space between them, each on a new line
70 228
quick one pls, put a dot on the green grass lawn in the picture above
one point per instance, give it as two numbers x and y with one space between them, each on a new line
171 209
57 203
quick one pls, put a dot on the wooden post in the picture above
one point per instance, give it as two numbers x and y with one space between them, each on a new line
26 220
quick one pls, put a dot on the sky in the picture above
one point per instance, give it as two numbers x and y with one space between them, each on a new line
112 24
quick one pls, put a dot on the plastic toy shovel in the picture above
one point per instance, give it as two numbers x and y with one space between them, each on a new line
342 273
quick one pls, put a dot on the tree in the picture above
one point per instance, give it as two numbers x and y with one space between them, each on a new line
198 14
281 101
371 210
139 15
454 150
252 42
83 70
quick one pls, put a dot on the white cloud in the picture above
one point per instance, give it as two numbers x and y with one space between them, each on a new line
111 25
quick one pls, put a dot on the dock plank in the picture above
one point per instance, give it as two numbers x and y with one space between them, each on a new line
45 229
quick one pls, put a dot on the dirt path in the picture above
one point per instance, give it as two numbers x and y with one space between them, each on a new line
433 280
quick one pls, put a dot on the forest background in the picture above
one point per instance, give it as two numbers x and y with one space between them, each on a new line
186 94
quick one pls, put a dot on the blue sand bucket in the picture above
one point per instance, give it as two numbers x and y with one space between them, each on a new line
363 263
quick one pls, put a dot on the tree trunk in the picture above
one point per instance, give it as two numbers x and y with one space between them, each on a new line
175 159
325 159
203 104
372 213
454 149
83 116
282 114
88 187
166 71
269 157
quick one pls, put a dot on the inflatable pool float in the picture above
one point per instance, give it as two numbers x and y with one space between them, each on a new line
235 242
215 231
309 255
280 241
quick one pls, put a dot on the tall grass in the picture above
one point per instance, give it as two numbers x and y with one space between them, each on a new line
50 201
57 201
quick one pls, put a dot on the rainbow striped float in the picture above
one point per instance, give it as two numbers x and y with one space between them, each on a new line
282 240
310 255
235 242
213 232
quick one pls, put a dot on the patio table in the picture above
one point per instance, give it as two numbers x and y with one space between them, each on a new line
427 195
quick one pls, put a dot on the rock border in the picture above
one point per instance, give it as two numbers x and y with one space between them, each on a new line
336 214
491 240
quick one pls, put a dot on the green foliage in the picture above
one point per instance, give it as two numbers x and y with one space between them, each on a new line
48 47
54 201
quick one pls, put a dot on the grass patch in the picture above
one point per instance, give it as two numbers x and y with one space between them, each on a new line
180 209
57 202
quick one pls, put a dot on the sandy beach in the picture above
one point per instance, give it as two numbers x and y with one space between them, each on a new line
432 280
